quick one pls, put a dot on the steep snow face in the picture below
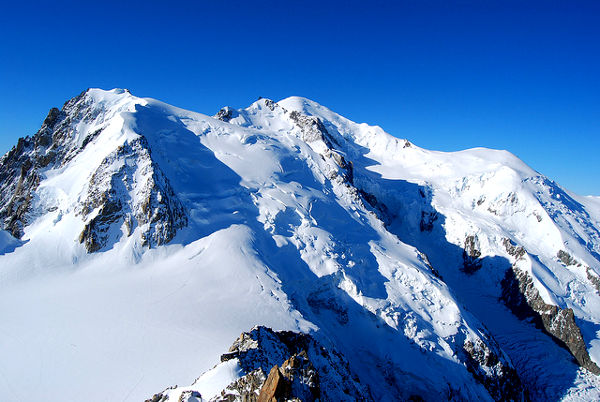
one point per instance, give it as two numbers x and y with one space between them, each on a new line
150 236
475 213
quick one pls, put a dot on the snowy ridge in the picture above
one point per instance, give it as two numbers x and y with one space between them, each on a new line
263 364
442 275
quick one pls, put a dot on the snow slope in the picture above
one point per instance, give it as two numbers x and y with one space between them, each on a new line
490 196
152 236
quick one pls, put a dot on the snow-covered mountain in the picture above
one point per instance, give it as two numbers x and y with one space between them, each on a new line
140 239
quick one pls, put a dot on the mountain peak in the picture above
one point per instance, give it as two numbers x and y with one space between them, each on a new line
300 104
437 275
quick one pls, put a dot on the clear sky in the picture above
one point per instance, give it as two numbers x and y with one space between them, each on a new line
447 75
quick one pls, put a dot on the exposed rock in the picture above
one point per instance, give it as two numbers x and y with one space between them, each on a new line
269 103
512 249
381 210
90 138
593 277
322 300
52 117
471 254
296 379
346 166
275 387
427 220
311 128
500 379
94 235
423 257
51 146
246 388
521 296
160 397
18 181
226 114
566 258
300 369
129 189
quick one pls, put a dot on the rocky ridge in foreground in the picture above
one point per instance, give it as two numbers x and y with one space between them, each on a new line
273 365
441 276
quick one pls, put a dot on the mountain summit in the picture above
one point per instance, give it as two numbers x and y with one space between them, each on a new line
139 239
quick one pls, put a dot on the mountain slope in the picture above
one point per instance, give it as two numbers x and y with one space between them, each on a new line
143 238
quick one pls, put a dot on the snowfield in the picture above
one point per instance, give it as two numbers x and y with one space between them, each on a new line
152 236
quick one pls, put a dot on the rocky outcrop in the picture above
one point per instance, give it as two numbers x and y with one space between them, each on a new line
322 299
345 166
512 249
51 147
311 128
524 300
296 379
427 221
18 179
226 114
567 258
20 167
593 278
128 190
280 366
471 254
247 387
499 378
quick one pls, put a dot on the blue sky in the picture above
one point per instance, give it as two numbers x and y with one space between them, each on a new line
521 76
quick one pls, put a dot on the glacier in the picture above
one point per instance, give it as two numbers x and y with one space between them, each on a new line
140 239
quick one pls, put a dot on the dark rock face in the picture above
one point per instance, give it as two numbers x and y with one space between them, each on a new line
160 397
302 363
379 208
247 388
524 300
593 277
134 194
186 396
312 128
566 258
427 221
296 379
95 233
345 166
18 180
521 296
321 300
512 249
283 366
471 254
268 103
109 203
52 146
20 167
226 114
275 387
504 383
